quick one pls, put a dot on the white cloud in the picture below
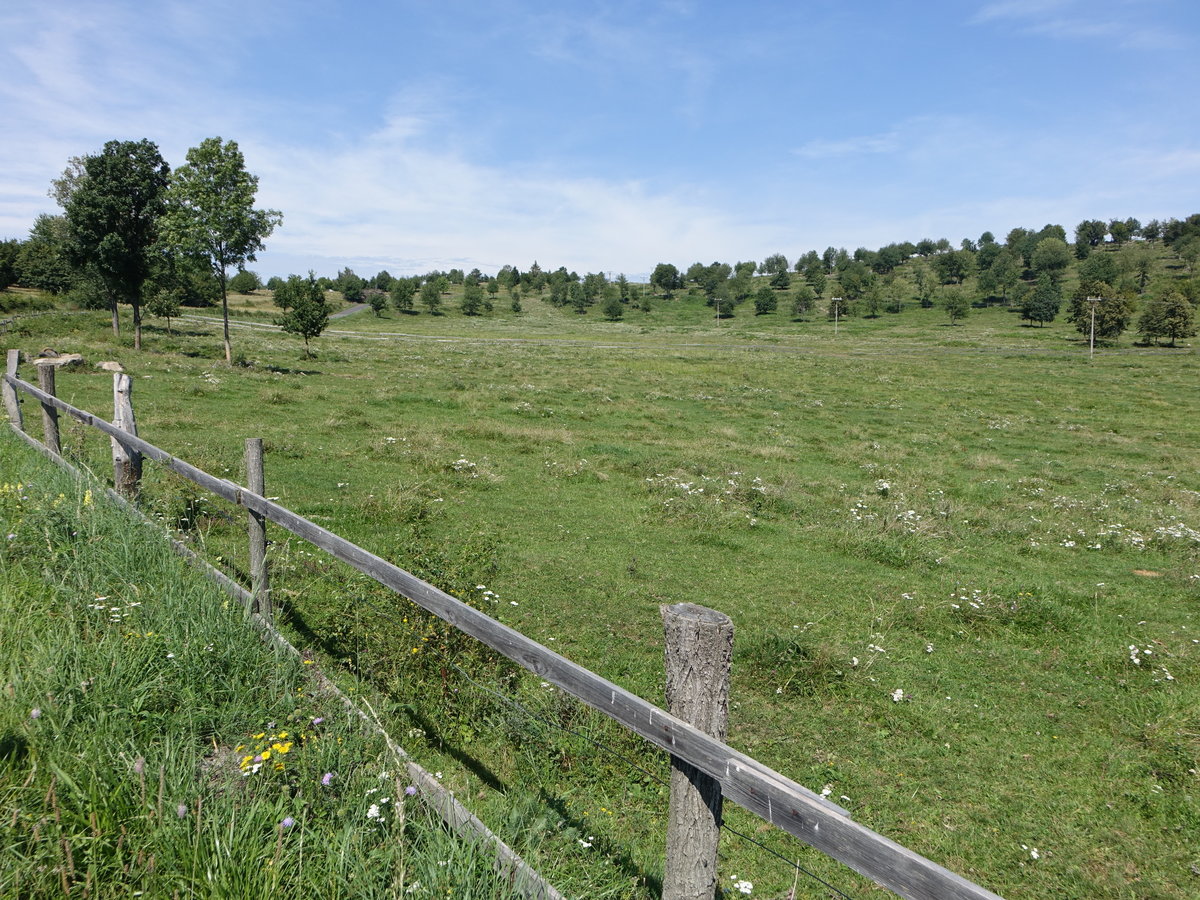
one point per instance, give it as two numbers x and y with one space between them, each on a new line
1124 24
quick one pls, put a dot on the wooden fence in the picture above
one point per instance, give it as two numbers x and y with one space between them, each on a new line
743 780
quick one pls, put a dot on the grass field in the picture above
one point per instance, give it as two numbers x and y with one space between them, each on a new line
152 745
963 564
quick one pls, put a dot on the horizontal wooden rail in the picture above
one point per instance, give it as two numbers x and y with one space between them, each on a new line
747 782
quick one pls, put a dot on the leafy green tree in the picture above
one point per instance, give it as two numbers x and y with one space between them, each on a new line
1042 304
923 283
623 289
350 285
1101 268
854 280
817 279
839 307
774 264
308 314
803 301
211 214
781 280
42 260
383 281
403 292
1139 259
765 300
1090 233
113 215
472 299
493 288
164 303
613 308
956 304
1006 272
1051 256
954 267
1113 312
8 262
873 298
1188 250
1171 317
1152 230
244 282
515 306
376 299
666 278
431 297
274 282
1119 231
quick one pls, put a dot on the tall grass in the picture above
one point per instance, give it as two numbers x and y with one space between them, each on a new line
151 745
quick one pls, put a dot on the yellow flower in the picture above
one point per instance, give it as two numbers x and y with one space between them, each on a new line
260 735
87 497
266 754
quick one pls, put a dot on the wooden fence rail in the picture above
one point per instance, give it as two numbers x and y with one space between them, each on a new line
743 780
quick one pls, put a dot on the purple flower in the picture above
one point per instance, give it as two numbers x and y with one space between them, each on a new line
35 713
327 779
318 720
139 765
181 811
411 790
288 822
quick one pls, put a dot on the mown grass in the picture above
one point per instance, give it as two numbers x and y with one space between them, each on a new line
151 745
975 517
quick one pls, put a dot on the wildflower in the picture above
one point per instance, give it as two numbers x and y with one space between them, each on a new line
139 765
327 779
318 720
35 713
373 812
287 822
585 844
897 695
741 885
437 775
181 811
411 790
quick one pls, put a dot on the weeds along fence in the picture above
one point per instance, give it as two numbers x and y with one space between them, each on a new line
707 770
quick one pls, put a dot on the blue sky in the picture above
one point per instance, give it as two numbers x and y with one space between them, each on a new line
610 136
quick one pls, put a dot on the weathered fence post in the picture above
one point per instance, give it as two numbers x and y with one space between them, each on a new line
127 463
257 530
12 403
49 413
699 652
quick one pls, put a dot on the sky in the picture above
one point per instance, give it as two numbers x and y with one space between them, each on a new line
611 136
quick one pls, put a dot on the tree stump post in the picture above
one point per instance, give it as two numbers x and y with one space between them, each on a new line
50 435
257 531
12 403
127 463
699 653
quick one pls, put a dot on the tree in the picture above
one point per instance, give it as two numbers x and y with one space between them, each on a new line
1171 316
956 304
1090 233
1041 305
244 282
350 285
1051 256
765 301
42 261
1112 312
1188 250
403 291
955 266
211 214
666 278
781 280
804 300
1139 259
472 299
774 264
376 299
8 262
613 308
431 297
1119 231
113 214
165 304
308 314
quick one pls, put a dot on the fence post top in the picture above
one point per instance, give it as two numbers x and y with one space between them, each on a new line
701 615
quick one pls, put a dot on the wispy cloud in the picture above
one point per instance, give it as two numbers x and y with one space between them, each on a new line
1124 24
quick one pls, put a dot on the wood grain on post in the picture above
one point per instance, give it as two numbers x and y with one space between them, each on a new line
699 653
49 413
11 401
127 462
256 528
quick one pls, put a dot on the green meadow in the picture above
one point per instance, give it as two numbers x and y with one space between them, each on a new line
963 563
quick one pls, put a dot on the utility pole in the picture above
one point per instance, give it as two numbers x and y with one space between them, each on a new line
1093 302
